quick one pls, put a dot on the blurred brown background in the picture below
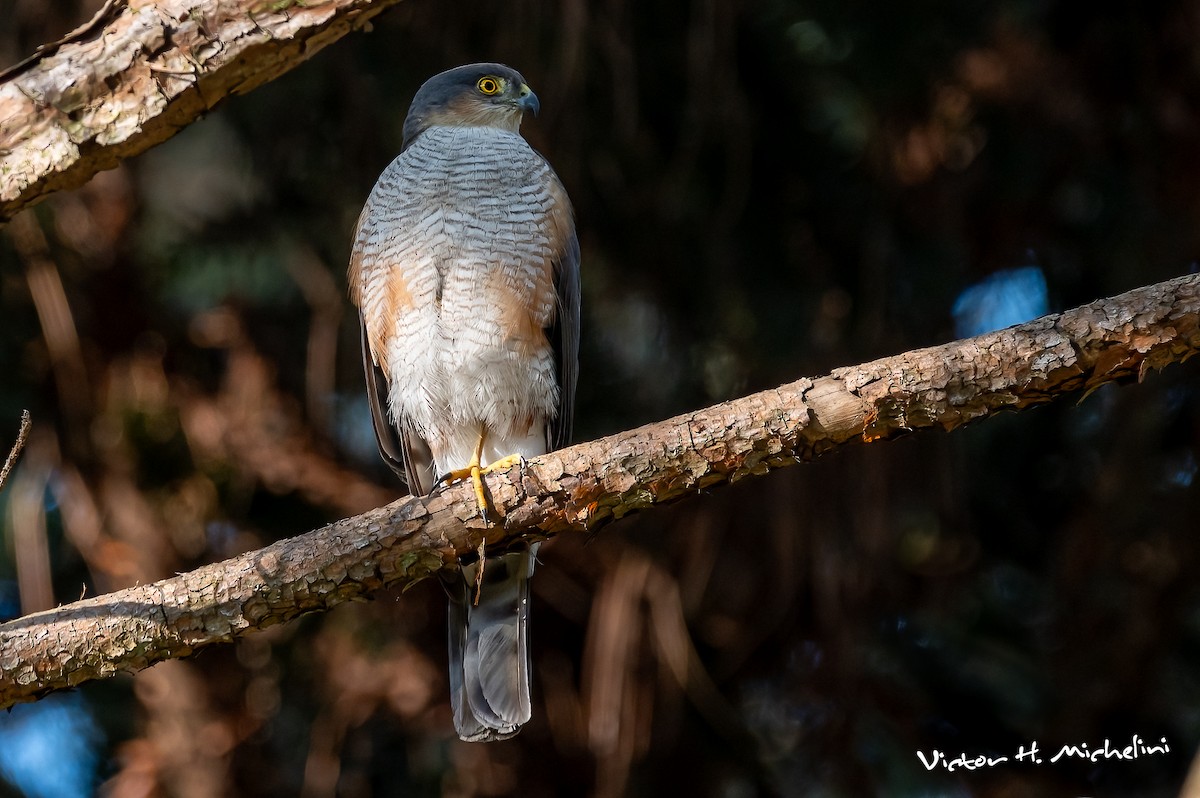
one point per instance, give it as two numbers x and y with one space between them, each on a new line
764 190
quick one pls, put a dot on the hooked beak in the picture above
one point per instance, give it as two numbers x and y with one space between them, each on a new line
529 100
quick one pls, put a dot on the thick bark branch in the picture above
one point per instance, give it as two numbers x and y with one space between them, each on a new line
139 72
586 486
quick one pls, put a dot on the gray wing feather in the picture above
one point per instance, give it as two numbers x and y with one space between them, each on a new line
377 397
564 337
405 453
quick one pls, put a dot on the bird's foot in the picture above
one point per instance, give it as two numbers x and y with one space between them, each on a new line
475 472
504 463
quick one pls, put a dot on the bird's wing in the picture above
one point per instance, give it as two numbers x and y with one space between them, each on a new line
404 452
391 448
563 334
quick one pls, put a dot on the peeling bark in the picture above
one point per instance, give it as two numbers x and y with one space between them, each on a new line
586 486
141 71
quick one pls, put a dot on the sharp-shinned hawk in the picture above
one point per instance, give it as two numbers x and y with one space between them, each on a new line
465 270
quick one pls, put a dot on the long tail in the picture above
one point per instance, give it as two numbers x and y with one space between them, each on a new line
489 646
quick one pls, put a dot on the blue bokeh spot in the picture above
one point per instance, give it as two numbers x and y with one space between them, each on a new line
1008 297
51 749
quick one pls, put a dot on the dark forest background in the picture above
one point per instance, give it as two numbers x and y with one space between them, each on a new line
764 190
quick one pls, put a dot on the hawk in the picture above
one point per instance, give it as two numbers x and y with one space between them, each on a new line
465 270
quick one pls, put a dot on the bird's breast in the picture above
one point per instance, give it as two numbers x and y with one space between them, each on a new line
472 221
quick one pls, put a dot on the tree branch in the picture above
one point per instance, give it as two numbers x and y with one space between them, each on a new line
586 486
15 451
138 73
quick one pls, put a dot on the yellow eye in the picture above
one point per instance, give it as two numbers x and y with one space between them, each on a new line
488 86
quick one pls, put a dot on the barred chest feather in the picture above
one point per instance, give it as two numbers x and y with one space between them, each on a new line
458 241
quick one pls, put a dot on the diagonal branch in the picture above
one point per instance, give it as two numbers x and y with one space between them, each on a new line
586 486
138 73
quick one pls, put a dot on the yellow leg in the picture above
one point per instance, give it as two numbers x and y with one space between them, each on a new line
475 472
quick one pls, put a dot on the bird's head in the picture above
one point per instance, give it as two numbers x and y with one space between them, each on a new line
475 95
